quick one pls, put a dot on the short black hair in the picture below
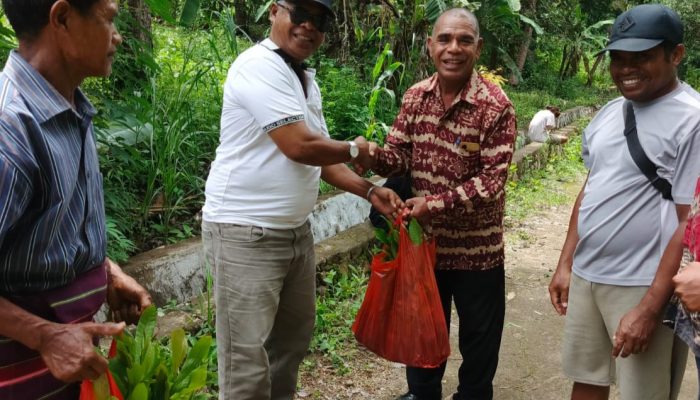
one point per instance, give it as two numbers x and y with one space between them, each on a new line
29 17
668 47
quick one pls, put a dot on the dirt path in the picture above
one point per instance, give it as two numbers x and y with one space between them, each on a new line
529 366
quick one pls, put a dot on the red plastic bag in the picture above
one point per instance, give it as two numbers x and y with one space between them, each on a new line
401 317
89 390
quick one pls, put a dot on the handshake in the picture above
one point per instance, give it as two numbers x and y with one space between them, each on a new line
367 155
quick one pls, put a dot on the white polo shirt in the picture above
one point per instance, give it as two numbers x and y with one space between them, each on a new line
251 181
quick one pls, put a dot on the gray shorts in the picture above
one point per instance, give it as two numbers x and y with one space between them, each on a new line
592 318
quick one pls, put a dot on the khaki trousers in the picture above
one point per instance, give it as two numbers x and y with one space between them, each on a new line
265 283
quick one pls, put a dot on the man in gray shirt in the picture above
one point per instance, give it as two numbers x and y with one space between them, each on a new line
620 223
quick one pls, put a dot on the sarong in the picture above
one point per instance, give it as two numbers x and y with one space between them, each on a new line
23 374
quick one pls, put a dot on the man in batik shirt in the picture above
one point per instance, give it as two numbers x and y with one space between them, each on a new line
455 133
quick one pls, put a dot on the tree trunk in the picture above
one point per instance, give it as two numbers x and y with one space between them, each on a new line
524 47
141 29
564 59
242 15
599 58
522 55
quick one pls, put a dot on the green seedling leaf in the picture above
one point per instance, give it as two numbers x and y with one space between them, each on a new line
150 360
118 370
101 388
140 392
160 388
381 235
198 356
415 232
144 332
178 348
135 374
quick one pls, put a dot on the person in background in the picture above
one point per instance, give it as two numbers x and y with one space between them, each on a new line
542 124
54 273
263 184
455 133
611 282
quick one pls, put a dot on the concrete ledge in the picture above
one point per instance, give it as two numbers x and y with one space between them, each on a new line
174 272
177 272
337 211
535 155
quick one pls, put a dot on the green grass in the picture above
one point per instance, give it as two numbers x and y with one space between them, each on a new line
336 306
541 188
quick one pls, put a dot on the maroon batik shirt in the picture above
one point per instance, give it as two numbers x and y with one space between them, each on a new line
459 158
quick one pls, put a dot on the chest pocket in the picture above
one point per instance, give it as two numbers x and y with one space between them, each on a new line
469 157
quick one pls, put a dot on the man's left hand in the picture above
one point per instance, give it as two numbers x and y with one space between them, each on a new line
125 297
419 210
386 201
634 332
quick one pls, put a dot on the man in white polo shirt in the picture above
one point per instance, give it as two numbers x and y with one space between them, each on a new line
614 278
263 184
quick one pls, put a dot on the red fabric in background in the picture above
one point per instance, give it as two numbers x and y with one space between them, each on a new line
401 317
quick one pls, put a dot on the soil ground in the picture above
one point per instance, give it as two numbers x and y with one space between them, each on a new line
529 366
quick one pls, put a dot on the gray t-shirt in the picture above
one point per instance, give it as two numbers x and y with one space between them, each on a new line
624 224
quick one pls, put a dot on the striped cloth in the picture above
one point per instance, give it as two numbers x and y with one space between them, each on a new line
458 157
52 222
23 374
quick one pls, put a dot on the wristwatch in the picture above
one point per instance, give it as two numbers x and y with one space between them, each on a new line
354 150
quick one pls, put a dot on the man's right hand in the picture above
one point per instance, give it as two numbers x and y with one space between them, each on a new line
687 284
369 151
68 350
559 289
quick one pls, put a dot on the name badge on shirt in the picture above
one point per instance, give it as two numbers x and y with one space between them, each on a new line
470 147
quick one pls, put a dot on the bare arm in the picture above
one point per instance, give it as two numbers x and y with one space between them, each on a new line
67 349
559 286
299 144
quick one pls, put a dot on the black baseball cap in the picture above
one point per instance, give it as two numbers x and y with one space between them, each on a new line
327 4
643 27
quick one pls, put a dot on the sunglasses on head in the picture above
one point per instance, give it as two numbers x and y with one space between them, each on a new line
298 16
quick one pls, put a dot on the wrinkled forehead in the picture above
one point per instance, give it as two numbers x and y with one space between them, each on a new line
451 23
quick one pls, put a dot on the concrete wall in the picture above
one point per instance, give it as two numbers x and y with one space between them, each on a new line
177 271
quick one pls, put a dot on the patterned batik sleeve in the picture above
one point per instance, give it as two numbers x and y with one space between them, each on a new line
489 183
